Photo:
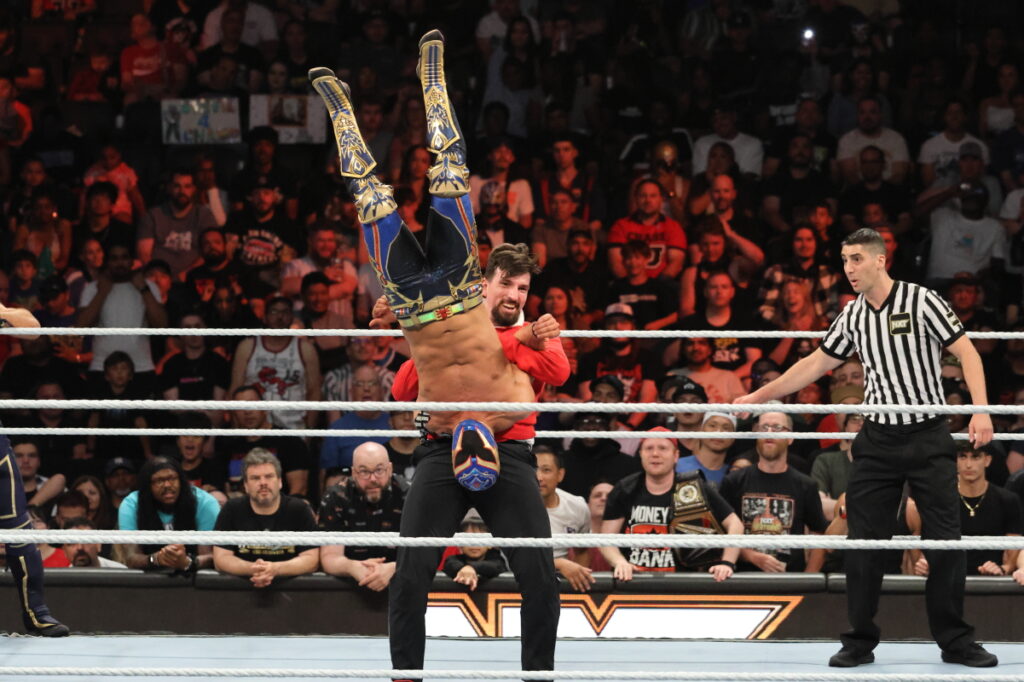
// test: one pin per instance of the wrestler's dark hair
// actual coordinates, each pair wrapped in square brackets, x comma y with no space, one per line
[184,508]
[868,238]
[513,260]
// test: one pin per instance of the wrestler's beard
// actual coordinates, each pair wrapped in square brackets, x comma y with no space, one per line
[504,318]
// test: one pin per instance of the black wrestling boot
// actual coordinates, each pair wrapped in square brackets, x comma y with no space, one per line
[27,567]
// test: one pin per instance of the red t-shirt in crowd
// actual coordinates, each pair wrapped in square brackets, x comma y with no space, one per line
[150,65]
[661,236]
[549,366]
[57,560]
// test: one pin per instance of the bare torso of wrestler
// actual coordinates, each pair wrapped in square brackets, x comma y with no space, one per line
[461,359]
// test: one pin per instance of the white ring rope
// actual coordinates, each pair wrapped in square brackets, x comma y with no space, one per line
[571,333]
[564,540]
[482,406]
[348,673]
[403,433]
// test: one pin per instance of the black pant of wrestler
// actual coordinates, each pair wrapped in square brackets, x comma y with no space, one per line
[23,559]
[512,507]
[884,457]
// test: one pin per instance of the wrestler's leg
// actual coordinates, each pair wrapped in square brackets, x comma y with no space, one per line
[451,227]
[23,559]
[394,252]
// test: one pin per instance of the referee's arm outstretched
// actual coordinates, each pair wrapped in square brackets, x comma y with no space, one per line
[817,363]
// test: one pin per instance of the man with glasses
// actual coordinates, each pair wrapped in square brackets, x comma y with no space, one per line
[370,501]
[772,498]
[339,451]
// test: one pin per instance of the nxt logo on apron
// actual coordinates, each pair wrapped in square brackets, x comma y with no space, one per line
[899,323]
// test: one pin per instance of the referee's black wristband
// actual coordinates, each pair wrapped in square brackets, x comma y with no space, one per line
[723,562]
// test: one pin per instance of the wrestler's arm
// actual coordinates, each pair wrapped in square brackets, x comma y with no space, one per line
[19,317]
[547,363]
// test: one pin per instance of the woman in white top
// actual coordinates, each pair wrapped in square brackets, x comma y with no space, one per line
[995,114]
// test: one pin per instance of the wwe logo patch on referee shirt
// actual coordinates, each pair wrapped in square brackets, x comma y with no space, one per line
[899,323]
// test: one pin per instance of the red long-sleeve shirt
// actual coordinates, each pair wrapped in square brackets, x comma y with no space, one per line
[548,366]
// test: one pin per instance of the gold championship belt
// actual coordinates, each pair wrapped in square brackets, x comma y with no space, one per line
[691,515]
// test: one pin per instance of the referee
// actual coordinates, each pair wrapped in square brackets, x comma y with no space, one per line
[899,330]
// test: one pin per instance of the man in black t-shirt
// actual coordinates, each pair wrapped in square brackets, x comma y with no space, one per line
[772,498]
[985,509]
[196,373]
[263,236]
[210,474]
[796,184]
[370,501]
[872,189]
[655,502]
[582,275]
[264,508]
[654,301]
[623,358]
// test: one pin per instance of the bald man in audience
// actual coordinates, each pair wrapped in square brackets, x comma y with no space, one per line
[370,501]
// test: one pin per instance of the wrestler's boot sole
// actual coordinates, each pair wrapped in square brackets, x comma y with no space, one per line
[448,176]
[374,200]
[475,459]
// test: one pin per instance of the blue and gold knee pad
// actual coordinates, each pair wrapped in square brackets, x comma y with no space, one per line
[475,458]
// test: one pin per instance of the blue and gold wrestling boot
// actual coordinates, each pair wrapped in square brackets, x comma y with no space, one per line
[373,199]
[475,459]
[449,176]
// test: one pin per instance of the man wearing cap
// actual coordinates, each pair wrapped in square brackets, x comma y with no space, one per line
[968,170]
[57,310]
[685,391]
[964,239]
[940,154]
[709,457]
[119,478]
[580,274]
[657,501]
[262,236]
[772,498]
[263,170]
[23,559]
[831,469]
[518,197]
[621,357]
[590,460]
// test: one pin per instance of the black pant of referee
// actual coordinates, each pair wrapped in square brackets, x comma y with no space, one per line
[512,507]
[883,458]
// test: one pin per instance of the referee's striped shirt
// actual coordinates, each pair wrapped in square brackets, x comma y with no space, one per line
[900,345]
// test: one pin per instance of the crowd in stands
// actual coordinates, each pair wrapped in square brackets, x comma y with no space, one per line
[674,165]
